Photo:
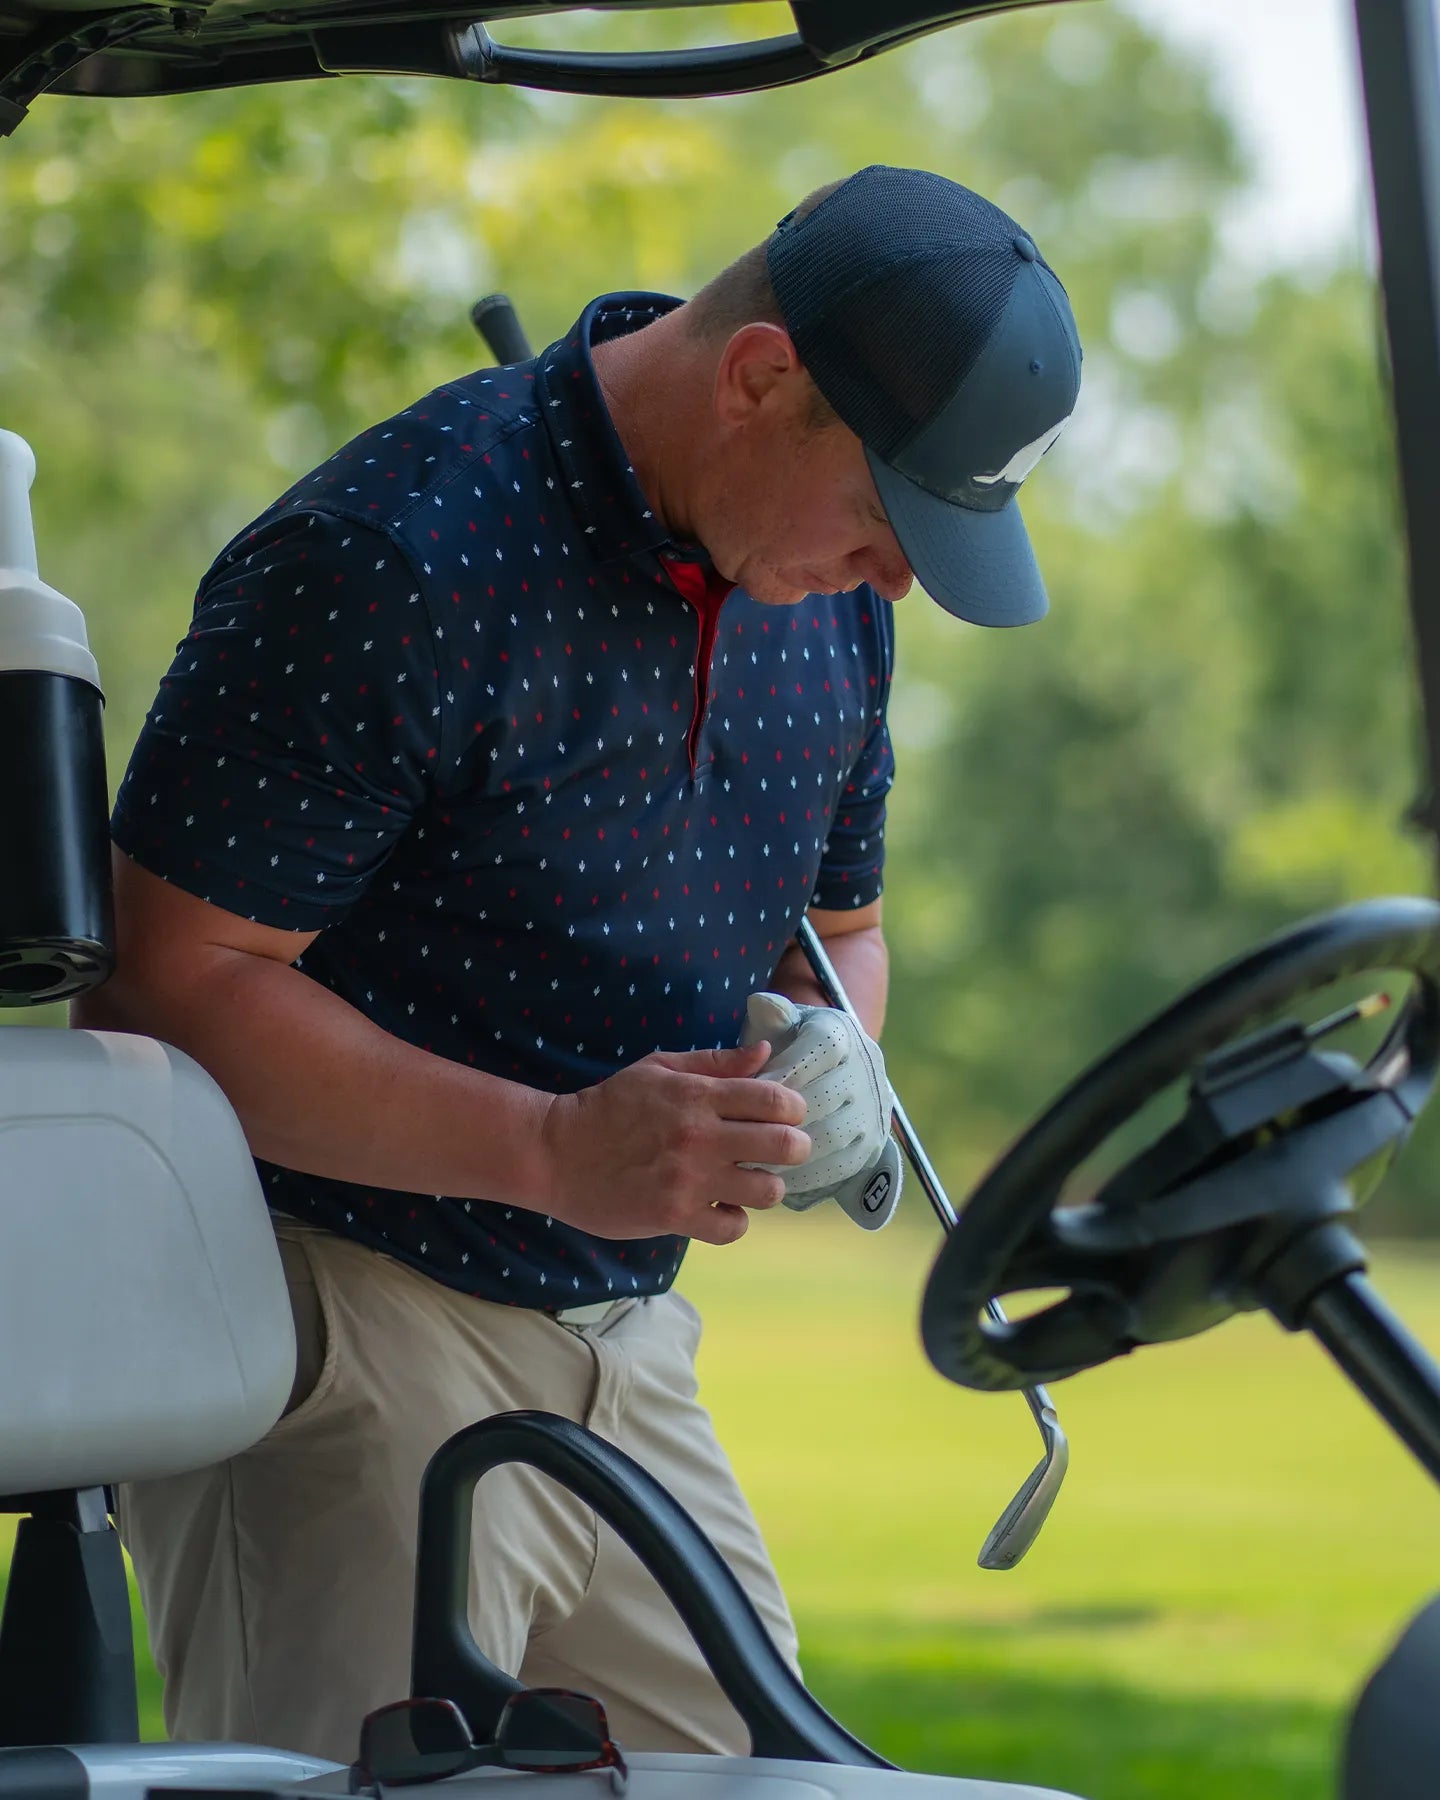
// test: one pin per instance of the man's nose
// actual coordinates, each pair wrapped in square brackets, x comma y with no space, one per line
[887,568]
[893,577]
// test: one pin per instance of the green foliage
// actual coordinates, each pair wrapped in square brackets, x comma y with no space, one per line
[1214,731]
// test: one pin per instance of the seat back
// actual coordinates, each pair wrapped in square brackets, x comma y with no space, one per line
[145,1327]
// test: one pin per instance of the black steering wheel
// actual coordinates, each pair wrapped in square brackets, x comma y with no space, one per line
[1280,1139]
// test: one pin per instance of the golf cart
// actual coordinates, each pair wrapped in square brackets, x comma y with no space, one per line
[186,1357]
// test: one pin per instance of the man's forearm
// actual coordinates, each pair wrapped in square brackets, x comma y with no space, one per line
[318,1087]
[861,961]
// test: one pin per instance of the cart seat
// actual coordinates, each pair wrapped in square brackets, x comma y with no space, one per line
[144,1322]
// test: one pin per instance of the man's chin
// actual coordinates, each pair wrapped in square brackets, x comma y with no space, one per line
[791,593]
[773,594]
[774,587]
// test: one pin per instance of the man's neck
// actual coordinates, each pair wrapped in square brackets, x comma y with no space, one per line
[654,385]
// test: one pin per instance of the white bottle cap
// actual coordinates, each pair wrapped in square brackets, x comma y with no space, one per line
[39,628]
[17,532]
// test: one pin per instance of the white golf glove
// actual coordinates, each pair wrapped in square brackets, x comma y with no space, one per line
[825,1056]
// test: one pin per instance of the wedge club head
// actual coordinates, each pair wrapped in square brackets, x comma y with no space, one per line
[1019,1525]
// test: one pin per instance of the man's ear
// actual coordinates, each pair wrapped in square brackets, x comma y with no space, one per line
[759,370]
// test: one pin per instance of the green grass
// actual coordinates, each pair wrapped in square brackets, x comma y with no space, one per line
[1236,1543]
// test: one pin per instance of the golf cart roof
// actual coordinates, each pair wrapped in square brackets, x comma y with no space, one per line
[161,47]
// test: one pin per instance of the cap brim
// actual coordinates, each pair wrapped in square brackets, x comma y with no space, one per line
[977,565]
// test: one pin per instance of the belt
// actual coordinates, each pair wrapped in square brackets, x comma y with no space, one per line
[588,1315]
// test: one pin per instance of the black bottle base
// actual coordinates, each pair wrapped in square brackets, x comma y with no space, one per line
[57,930]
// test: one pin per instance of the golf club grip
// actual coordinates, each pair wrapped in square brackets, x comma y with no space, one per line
[498,323]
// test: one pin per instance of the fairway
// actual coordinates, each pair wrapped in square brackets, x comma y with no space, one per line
[1235,1544]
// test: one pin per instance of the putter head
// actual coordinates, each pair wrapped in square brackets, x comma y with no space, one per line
[1019,1525]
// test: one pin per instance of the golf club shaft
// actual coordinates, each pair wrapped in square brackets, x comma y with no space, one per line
[499,325]
[823,970]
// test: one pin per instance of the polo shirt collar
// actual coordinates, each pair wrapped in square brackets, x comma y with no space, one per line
[600,484]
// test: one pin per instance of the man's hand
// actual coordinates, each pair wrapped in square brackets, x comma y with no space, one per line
[826,1057]
[671,1144]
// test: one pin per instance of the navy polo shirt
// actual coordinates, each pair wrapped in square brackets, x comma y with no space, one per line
[553,795]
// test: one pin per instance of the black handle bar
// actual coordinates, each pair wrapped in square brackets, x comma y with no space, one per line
[784,1719]
[828,34]
[649,74]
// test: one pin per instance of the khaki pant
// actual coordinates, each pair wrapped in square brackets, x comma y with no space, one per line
[278,1586]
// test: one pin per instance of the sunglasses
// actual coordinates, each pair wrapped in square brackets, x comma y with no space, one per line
[549,1731]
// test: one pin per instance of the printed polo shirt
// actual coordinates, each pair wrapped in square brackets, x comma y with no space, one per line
[553,795]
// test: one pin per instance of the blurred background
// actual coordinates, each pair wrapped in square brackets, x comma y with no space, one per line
[1213,734]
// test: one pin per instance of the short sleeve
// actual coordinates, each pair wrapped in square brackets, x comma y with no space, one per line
[852,865]
[295,736]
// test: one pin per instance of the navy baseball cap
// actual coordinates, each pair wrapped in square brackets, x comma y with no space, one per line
[939,334]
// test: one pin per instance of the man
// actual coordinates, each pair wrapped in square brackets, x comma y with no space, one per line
[503,755]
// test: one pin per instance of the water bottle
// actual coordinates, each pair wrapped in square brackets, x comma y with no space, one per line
[57,926]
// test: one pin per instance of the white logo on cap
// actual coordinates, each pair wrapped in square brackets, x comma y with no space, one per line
[1025,459]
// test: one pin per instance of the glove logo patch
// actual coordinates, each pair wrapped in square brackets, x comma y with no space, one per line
[877,1191]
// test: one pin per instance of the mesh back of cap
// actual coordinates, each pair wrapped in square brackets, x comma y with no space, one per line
[890,289]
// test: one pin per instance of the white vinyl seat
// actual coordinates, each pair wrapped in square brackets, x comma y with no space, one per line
[144,1323]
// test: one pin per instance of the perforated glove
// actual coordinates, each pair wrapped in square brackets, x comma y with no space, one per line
[825,1056]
